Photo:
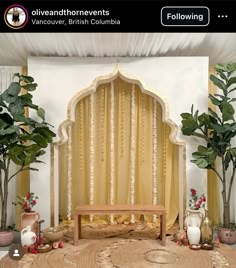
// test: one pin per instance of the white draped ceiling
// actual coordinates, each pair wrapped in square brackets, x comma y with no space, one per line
[15,48]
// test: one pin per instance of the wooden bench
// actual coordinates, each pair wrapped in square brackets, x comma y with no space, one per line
[119,210]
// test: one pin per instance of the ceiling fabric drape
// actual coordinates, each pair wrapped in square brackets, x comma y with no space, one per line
[15,48]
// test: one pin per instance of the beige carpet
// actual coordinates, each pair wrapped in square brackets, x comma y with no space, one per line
[130,248]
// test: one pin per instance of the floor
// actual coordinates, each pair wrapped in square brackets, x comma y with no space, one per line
[126,252]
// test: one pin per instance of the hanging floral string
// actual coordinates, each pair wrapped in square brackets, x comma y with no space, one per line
[91,150]
[69,173]
[122,129]
[154,156]
[112,148]
[102,112]
[164,151]
[143,112]
[81,140]
[132,151]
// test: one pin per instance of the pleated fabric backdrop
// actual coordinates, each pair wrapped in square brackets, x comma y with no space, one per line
[118,152]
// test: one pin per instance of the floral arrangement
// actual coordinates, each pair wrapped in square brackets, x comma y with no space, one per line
[196,201]
[27,202]
[34,249]
[181,237]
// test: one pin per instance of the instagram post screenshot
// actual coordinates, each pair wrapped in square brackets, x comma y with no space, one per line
[117,134]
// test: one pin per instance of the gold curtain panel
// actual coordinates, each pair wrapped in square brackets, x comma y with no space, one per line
[114,111]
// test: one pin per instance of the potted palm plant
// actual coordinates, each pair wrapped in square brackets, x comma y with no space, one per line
[22,138]
[217,129]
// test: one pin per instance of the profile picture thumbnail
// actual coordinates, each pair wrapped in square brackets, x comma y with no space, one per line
[16,16]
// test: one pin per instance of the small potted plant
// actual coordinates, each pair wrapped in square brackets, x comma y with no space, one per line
[7,236]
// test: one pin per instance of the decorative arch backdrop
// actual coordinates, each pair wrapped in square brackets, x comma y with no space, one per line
[118,151]
[182,81]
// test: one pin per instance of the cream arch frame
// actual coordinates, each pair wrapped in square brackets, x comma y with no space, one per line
[63,138]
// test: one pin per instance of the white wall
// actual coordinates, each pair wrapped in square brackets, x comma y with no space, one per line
[180,80]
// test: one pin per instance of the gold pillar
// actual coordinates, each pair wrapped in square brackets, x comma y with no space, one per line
[212,180]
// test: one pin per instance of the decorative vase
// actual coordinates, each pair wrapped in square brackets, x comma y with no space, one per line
[206,229]
[193,214]
[29,219]
[193,232]
[28,237]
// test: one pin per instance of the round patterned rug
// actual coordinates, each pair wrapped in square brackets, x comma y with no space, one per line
[125,253]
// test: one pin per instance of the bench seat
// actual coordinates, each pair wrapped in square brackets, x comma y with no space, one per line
[119,210]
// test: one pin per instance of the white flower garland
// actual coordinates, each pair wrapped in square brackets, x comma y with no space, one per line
[154,156]
[81,138]
[142,130]
[69,174]
[102,123]
[164,154]
[164,151]
[132,151]
[112,149]
[91,151]
[122,120]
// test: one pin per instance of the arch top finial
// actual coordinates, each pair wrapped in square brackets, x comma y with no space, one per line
[117,68]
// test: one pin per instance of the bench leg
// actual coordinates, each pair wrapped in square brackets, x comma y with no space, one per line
[161,220]
[76,229]
[79,227]
[163,229]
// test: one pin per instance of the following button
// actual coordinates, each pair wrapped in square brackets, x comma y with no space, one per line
[185,16]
